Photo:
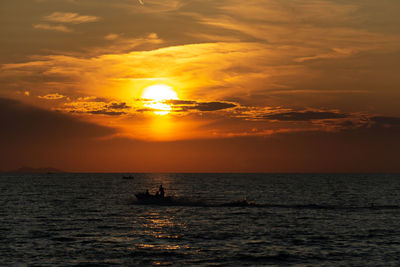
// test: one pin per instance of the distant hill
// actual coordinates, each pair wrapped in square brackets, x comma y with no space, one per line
[36,170]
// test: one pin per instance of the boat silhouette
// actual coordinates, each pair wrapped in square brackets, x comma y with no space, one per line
[240,203]
[146,198]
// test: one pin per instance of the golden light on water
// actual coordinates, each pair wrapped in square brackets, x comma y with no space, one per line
[155,96]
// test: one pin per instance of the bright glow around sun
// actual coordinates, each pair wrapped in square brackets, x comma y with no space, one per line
[159,92]
[156,94]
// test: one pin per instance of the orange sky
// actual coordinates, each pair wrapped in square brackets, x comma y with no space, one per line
[258,85]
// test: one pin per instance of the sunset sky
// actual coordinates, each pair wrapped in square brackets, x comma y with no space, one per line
[200,85]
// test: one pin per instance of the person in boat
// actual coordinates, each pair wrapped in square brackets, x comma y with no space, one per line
[161,191]
[147,192]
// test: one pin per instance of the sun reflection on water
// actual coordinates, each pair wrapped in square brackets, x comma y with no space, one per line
[160,232]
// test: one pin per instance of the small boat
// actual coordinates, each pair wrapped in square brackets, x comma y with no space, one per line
[146,198]
[128,177]
[240,203]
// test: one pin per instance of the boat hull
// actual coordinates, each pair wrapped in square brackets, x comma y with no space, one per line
[144,198]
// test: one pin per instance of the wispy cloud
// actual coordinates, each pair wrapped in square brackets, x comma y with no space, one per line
[111,36]
[68,17]
[335,53]
[52,96]
[119,43]
[96,106]
[59,28]
[305,116]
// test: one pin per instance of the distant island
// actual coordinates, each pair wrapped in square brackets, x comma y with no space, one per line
[36,170]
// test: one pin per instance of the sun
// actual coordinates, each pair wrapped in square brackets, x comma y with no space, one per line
[159,92]
[155,95]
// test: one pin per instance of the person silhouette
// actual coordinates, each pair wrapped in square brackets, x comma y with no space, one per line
[161,190]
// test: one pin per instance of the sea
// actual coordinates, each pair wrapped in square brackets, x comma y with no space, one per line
[94,219]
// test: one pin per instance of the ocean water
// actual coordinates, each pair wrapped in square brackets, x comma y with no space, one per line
[300,220]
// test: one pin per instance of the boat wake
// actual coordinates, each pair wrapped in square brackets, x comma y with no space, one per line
[160,200]
[181,201]
[148,199]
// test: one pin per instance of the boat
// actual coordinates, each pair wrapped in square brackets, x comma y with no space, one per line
[128,177]
[240,203]
[146,198]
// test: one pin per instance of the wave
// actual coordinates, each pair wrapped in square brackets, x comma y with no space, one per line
[243,203]
[331,207]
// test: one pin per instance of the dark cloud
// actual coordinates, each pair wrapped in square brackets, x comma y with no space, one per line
[179,102]
[106,112]
[305,116]
[144,110]
[116,105]
[213,106]
[98,99]
[185,105]
[387,121]
[347,124]
[20,121]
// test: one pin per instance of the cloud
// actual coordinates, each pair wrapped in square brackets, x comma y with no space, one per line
[23,122]
[185,105]
[286,114]
[258,67]
[68,17]
[305,116]
[116,105]
[111,36]
[386,121]
[188,105]
[96,106]
[59,28]
[335,53]
[64,17]
[34,136]
[179,102]
[106,112]
[120,43]
[209,106]
[52,96]
[92,99]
